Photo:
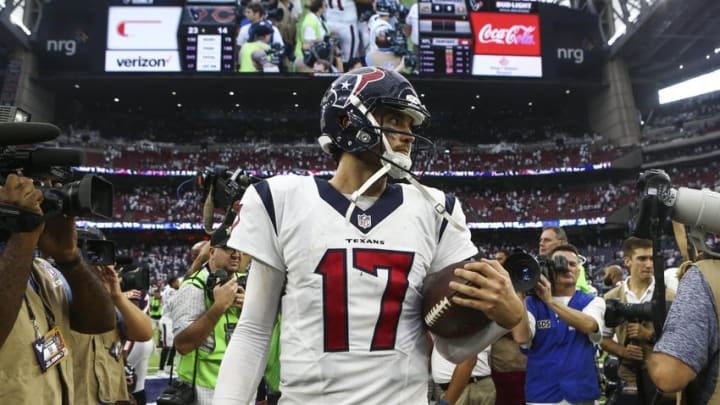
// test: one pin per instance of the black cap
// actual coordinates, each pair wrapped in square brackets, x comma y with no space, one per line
[259,29]
[220,237]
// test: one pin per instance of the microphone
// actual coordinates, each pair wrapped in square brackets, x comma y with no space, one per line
[21,133]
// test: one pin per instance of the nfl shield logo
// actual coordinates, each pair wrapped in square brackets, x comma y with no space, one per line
[364,221]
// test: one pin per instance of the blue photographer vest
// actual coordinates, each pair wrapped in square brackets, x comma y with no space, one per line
[561,360]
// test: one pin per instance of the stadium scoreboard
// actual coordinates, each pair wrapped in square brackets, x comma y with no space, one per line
[456,38]
[207,38]
[469,37]
[169,36]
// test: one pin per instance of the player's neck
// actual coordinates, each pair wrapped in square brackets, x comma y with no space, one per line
[352,173]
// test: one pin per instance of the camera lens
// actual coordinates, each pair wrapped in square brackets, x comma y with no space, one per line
[524,271]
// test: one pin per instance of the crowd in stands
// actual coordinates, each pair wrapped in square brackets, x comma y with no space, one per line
[677,113]
[167,258]
[159,204]
[275,157]
[683,120]
[689,150]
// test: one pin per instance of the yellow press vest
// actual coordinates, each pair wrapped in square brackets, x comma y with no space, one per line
[23,381]
[625,372]
[208,364]
[102,375]
[155,311]
[314,21]
[246,52]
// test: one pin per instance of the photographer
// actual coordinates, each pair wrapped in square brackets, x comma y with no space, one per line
[254,54]
[205,311]
[558,332]
[312,29]
[634,336]
[97,359]
[686,355]
[42,302]
[255,12]
[387,54]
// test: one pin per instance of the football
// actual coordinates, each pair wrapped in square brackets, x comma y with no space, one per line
[442,316]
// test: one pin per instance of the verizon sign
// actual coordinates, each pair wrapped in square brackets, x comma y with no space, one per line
[142,61]
[506,34]
[143,28]
[143,39]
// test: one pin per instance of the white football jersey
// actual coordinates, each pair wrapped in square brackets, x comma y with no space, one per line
[352,330]
[341,11]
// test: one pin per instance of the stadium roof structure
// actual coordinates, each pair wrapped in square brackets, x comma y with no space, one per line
[667,41]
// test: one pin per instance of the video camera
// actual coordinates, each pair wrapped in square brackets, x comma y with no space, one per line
[89,197]
[325,50]
[221,188]
[95,249]
[272,11]
[222,185]
[275,53]
[132,276]
[525,270]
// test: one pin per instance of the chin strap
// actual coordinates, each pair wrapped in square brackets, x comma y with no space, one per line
[397,166]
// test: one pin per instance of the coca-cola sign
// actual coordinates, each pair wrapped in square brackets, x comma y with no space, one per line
[517,34]
[506,34]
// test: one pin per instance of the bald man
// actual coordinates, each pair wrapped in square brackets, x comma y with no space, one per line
[199,253]
[613,275]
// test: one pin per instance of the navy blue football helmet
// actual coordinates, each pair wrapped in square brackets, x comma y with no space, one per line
[386,7]
[355,95]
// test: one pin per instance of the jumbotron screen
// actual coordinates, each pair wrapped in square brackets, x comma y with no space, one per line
[480,38]
[435,38]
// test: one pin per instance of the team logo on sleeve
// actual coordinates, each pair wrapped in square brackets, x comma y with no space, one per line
[364,221]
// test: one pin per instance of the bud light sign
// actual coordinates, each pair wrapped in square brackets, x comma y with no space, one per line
[506,34]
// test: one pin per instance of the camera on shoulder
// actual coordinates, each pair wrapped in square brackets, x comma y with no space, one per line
[91,196]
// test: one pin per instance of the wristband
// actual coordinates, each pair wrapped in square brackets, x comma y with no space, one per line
[69,265]
[443,402]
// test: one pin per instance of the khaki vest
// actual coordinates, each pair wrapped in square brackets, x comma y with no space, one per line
[710,270]
[505,355]
[100,377]
[23,381]
[627,368]
[385,59]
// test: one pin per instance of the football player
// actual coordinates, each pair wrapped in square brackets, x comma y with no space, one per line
[344,262]
[342,19]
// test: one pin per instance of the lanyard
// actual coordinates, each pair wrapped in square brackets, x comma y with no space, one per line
[48,313]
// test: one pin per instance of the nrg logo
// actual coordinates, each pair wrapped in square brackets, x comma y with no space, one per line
[576,55]
[66,46]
